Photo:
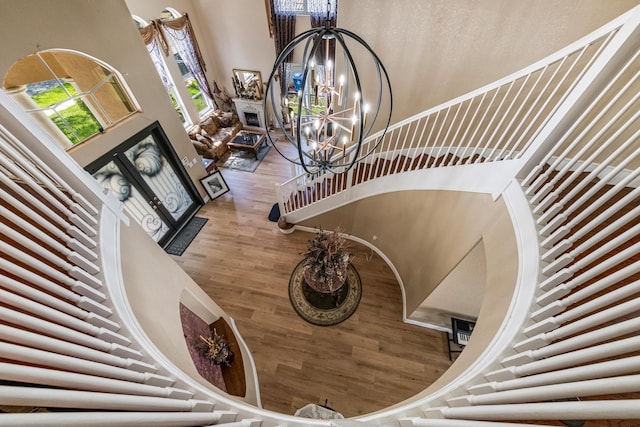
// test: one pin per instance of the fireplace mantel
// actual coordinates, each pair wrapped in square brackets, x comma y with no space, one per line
[250,113]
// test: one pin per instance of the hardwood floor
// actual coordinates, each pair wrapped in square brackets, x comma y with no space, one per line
[364,364]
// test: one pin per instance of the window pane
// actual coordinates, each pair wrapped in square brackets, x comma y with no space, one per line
[112,100]
[177,107]
[76,121]
[200,103]
[70,115]
[49,93]
[85,73]
[197,97]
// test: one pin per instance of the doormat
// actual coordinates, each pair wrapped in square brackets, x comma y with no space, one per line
[184,238]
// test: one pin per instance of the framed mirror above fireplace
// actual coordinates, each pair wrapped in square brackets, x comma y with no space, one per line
[248,84]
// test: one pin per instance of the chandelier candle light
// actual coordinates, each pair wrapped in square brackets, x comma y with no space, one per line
[329,123]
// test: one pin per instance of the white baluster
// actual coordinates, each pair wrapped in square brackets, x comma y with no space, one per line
[581,325]
[79,286]
[57,398]
[490,125]
[83,274]
[41,184]
[602,218]
[609,298]
[42,165]
[116,419]
[446,142]
[611,368]
[600,147]
[581,120]
[82,257]
[48,220]
[73,218]
[574,343]
[513,115]
[465,152]
[597,387]
[61,318]
[592,178]
[601,250]
[591,208]
[83,301]
[32,293]
[439,141]
[565,273]
[57,378]
[517,366]
[139,373]
[424,422]
[55,345]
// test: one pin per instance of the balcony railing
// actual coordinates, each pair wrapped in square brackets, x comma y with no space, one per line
[70,343]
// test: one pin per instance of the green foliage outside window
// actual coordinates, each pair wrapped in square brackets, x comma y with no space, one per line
[175,104]
[77,115]
[196,95]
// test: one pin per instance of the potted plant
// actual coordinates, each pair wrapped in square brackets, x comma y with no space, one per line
[217,349]
[326,261]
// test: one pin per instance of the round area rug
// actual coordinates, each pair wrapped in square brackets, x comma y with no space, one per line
[322,309]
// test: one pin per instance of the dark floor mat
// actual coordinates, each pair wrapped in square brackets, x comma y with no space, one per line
[184,238]
[274,215]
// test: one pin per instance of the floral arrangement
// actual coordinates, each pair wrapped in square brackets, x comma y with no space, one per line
[326,261]
[217,349]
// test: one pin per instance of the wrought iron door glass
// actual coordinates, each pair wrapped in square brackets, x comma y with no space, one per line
[112,178]
[160,176]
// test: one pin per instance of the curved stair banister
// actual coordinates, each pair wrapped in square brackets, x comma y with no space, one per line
[575,358]
[72,348]
[68,341]
[504,123]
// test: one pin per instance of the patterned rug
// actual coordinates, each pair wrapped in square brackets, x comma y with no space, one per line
[192,327]
[243,160]
[322,309]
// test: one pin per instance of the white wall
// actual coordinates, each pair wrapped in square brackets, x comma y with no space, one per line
[433,50]
[438,49]
[460,293]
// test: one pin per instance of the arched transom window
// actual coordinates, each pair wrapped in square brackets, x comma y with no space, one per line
[70,94]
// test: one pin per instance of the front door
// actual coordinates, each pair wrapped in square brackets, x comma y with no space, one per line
[146,175]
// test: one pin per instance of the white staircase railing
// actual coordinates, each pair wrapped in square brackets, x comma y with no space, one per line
[496,123]
[69,342]
[576,356]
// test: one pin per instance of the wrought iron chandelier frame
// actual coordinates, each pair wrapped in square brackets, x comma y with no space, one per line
[324,151]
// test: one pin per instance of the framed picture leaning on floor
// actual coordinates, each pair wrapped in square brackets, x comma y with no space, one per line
[214,185]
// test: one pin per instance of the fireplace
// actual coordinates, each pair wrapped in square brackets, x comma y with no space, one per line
[251,119]
[250,113]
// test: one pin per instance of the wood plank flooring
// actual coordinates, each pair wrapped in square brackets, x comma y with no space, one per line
[241,259]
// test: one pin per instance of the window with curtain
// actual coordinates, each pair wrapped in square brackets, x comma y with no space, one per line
[283,19]
[184,47]
[319,12]
[306,7]
[156,46]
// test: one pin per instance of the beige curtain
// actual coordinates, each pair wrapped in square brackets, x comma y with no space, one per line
[157,47]
[180,34]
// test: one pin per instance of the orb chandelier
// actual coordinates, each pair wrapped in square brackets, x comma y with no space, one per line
[329,108]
